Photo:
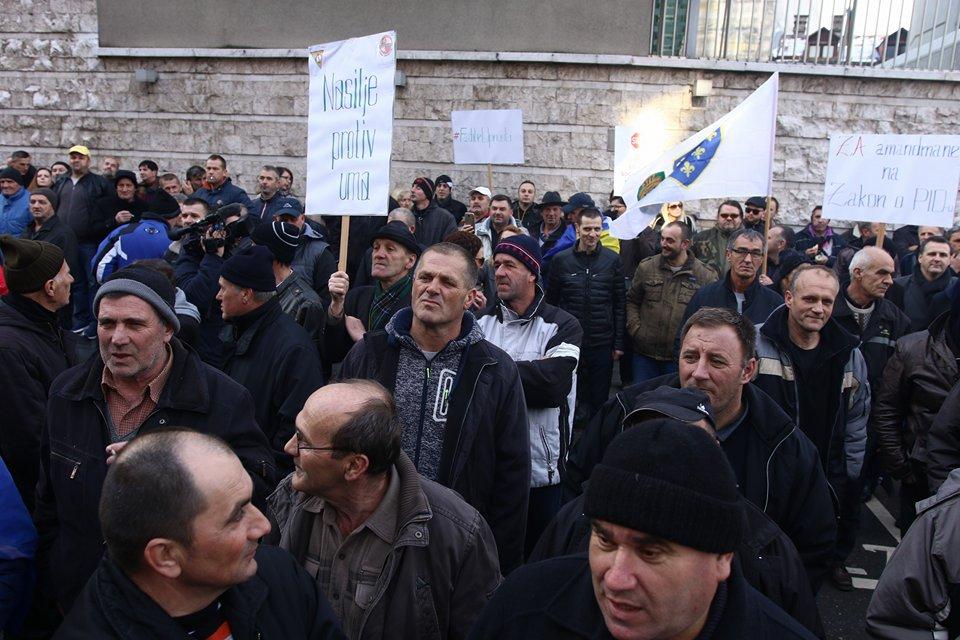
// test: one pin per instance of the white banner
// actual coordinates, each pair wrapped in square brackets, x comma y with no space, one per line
[487,136]
[901,179]
[350,125]
[733,157]
[629,154]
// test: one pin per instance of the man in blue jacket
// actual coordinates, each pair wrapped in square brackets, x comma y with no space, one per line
[221,190]
[144,239]
[14,203]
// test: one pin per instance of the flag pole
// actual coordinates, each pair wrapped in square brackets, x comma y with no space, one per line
[344,242]
[767,216]
[773,137]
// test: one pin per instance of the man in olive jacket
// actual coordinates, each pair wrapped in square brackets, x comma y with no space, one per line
[400,556]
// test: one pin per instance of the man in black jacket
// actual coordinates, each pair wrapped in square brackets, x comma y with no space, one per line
[777,466]
[33,351]
[768,558]
[433,223]
[459,397]
[183,560]
[665,526]
[586,280]
[143,379]
[444,198]
[46,226]
[924,291]
[266,350]
[740,288]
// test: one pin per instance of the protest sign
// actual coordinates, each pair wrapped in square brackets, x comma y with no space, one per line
[488,136]
[629,154]
[902,179]
[350,125]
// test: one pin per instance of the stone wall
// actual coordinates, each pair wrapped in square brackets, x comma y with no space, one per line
[57,92]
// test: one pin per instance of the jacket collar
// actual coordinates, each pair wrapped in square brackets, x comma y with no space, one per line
[575,607]
[186,387]
[684,268]
[505,314]
[266,315]
[751,291]
[834,339]
[49,224]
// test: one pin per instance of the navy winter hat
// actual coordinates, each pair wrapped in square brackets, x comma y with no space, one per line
[578,201]
[9,173]
[149,285]
[289,207]
[523,248]
[669,479]
[281,238]
[251,268]
[444,179]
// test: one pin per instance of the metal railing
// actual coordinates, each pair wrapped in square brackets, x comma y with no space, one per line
[895,34]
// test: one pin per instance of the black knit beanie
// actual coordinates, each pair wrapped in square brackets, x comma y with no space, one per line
[281,238]
[669,479]
[251,268]
[12,174]
[28,264]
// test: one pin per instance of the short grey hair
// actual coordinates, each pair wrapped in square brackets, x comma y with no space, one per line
[404,215]
[261,297]
[749,234]
[865,257]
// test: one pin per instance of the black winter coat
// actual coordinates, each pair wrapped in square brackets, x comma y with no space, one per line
[486,449]
[82,220]
[433,224]
[943,441]
[198,276]
[280,601]
[591,288]
[33,352]
[273,357]
[554,600]
[782,477]
[56,232]
[455,207]
[103,217]
[923,301]
[74,464]
[768,558]
[879,338]
[759,301]
[336,339]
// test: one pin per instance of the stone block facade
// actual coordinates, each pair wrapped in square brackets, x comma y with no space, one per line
[58,92]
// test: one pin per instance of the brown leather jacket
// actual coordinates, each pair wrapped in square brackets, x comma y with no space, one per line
[656,302]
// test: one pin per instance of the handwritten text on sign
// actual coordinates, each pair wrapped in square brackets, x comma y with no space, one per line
[350,125]
[901,179]
[487,136]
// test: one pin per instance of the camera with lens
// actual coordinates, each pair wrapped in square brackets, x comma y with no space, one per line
[231,219]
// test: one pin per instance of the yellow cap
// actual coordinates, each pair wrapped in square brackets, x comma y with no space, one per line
[79,148]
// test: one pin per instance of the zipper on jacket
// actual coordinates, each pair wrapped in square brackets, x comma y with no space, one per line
[546,449]
[76,465]
[473,391]
[423,410]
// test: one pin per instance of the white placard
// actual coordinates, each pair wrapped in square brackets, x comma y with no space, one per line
[350,125]
[901,179]
[490,136]
[630,154]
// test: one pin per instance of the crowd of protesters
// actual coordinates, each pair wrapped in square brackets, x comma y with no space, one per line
[212,430]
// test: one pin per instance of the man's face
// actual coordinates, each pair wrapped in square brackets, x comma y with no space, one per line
[79,162]
[811,304]
[439,291]
[190,214]
[147,175]
[617,208]
[227,532]
[125,189]
[390,260]
[877,277]
[711,359]
[648,587]
[8,187]
[745,258]
[774,241]
[171,186]
[512,278]
[417,195]
[479,204]
[109,166]
[231,300]
[297,221]
[866,233]
[500,214]
[526,193]
[269,183]
[443,190]
[551,215]
[22,165]
[316,471]
[728,217]
[57,170]
[752,215]
[928,232]
[196,182]
[934,259]
[216,172]
[818,222]
[286,181]
[954,241]
[589,232]
[671,245]
[40,208]
[61,286]
[133,339]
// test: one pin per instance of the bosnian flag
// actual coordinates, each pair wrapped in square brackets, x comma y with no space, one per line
[732,157]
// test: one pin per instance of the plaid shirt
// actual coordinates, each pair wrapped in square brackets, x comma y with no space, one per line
[127,412]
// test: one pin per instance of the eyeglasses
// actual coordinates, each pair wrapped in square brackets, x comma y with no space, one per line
[303,447]
[743,253]
[729,216]
[674,206]
[752,210]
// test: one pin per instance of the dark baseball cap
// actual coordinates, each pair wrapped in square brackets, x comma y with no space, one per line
[686,405]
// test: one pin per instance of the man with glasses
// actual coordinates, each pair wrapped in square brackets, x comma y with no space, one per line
[754,213]
[710,246]
[740,288]
[393,550]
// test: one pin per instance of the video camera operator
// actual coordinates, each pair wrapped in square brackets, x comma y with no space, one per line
[205,245]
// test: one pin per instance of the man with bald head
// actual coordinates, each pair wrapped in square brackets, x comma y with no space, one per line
[183,558]
[356,499]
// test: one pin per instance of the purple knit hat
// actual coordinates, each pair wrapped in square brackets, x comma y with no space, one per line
[523,248]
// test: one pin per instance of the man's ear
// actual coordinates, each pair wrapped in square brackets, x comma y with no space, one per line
[165,557]
[749,371]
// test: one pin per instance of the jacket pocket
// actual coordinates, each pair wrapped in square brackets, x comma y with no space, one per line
[428,626]
[66,477]
[687,289]
[653,290]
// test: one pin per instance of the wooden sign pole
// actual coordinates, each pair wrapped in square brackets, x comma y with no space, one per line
[344,241]
[767,215]
[881,233]
[490,178]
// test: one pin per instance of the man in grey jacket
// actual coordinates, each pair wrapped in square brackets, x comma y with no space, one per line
[399,556]
[917,597]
